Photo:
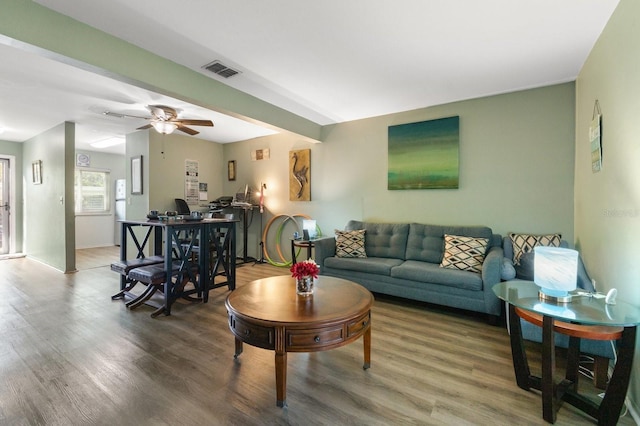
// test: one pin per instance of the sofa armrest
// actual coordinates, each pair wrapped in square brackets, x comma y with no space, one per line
[324,247]
[491,267]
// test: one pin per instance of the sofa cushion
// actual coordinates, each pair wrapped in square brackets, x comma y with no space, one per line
[464,253]
[383,239]
[373,265]
[426,272]
[426,242]
[524,243]
[350,243]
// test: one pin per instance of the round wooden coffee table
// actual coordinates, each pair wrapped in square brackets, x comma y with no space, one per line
[268,314]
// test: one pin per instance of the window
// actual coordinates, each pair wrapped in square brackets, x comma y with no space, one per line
[92,195]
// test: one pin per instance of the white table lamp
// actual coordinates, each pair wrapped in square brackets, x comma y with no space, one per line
[555,271]
[309,226]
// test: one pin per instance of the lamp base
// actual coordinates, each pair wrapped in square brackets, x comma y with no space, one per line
[554,299]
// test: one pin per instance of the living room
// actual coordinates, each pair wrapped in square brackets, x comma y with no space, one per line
[525,166]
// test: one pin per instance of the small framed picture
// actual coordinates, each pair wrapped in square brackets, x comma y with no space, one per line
[231,170]
[136,175]
[36,172]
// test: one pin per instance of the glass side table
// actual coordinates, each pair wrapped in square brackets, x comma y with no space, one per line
[300,243]
[584,317]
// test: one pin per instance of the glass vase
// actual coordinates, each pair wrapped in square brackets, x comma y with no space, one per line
[304,285]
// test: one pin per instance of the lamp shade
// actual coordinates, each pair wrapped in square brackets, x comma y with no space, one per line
[164,127]
[309,226]
[555,270]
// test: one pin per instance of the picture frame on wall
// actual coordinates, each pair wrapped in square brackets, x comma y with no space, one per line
[231,170]
[136,175]
[36,172]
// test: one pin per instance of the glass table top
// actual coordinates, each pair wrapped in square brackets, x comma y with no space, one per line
[583,308]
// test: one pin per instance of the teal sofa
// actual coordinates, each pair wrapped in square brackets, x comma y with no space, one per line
[403,260]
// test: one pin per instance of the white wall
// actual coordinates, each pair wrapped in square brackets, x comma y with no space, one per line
[607,207]
[99,230]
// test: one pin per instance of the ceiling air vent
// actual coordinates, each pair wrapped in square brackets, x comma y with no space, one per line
[221,69]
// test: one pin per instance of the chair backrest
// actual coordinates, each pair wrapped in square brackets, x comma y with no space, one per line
[182,207]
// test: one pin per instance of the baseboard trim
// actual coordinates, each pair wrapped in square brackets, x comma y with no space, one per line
[12,256]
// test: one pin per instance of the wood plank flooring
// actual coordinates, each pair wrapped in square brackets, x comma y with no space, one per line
[69,355]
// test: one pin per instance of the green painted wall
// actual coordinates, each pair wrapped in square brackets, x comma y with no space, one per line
[49,220]
[516,168]
[607,207]
[167,154]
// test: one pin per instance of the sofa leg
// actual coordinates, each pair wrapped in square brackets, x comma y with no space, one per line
[600,371]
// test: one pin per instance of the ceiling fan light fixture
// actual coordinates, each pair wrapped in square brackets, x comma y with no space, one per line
[164,127]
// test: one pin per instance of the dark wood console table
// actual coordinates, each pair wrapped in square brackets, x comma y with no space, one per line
[211,236]
[269,314]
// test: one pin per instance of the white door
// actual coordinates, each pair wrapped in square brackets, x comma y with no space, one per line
[5,206]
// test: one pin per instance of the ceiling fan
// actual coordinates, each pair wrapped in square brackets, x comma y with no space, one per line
[165,120]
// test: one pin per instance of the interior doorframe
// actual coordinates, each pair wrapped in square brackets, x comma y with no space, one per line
[12,201]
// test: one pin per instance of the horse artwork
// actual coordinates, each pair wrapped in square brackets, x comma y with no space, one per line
[300,175]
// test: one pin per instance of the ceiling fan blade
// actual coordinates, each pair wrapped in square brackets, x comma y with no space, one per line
[187,130]
[146,126]
[188,122]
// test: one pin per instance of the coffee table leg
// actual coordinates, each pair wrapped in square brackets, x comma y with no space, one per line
[281,378]
[366,340]
[238,348]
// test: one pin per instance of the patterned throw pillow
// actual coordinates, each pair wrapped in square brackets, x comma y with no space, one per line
[350,243]
[524,243]
[464,253]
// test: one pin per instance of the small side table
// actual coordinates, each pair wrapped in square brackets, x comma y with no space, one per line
[308,244]
[584,317]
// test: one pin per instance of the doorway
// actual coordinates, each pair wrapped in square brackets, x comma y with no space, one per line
[5,206]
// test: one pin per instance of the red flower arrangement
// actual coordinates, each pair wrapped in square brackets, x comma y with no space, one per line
[305,269]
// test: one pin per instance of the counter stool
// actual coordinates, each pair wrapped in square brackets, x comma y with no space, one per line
[154,276]
[123,267]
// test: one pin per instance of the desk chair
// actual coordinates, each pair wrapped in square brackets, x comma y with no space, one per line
[182,207]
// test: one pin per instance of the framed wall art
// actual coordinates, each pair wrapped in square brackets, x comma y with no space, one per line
[36,172]
[595,138]
[300,175]
[231,170]
[136,175]
[424,155]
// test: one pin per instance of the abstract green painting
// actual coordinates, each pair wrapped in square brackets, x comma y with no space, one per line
[424,155]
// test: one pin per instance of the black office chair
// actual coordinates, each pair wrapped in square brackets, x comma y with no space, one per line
[182,207]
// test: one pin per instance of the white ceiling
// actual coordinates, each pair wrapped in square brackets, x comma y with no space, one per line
[329,61]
